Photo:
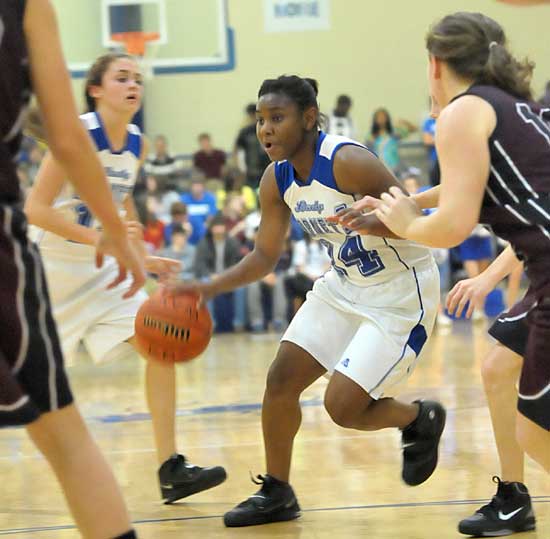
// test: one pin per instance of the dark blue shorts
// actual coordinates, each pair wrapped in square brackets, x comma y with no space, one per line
[476,248]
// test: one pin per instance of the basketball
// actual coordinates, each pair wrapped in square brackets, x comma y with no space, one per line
[172,328]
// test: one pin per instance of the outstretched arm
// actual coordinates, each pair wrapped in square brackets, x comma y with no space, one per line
[462,146]
[267,248]
[475,290]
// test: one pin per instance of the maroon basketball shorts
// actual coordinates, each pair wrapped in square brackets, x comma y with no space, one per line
[525,329]
[32,376]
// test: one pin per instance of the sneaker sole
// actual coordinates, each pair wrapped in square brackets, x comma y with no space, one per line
[282,515]
[526,527]
[174,494]
[416,482]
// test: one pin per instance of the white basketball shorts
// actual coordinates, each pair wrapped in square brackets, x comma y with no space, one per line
[86,312]
[372,334]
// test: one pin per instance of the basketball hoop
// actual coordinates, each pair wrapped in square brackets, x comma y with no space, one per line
[138,44]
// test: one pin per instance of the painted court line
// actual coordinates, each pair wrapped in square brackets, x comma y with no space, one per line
[535,499]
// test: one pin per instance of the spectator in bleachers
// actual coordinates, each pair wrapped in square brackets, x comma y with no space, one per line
[384,137]
[266,299]
[201,207]
[208,159]
[340,122]
[215,253]
[164,197]
[153,231]
[181,250]
[234,213]
[234,183]
[152,189]
[178,218]
[255,160]
[310,261]
[162,157]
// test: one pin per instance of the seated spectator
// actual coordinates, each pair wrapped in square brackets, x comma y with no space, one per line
[178,218]
[254,159]
[161,157]
[267,304]
[234,213]
[310,261]
[201,207]
[152,186]
[215,253]
[384,139]
[339,122]
[180,250]
[233,183]
[164,197]
[153,232]
[208,159]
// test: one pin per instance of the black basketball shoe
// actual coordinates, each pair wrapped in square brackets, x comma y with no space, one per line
[510,511]
[179,479]
[274,502]
[421,442]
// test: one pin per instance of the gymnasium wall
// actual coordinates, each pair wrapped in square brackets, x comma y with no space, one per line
[374,51]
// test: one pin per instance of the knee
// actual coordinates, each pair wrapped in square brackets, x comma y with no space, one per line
[500,368]
[281,382]
[341,411]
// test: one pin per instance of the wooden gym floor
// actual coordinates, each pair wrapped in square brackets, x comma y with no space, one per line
[348,482]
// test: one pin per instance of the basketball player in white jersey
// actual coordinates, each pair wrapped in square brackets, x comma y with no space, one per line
[85,312]
[366,320]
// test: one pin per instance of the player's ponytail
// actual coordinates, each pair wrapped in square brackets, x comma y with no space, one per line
[474,47]
[302,91]
[95,75]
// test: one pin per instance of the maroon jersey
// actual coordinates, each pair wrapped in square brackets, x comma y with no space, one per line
[15,91]
[517,197]
[517,206]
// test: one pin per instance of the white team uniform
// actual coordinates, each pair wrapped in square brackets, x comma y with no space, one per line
[370,315]
[84,310]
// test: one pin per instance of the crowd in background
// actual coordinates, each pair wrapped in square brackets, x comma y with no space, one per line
[202,209]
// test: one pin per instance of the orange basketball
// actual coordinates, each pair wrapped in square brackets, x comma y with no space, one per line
[172,328]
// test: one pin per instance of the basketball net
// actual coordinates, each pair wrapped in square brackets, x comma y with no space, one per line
[143,45]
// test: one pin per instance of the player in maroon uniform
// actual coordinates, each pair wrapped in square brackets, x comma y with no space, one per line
[494,148]
[34,389]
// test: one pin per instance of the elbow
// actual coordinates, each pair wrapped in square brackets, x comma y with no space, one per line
[458,235]
[30,211]
[63,150]
[65,145]
[265,260]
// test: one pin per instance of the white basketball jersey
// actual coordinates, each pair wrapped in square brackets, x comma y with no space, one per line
[361,260]
[121,170]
